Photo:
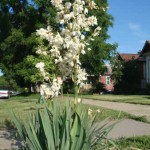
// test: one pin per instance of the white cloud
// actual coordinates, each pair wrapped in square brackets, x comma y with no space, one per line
[137,30]
[134,27]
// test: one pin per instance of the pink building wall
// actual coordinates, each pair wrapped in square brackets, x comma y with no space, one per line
[103,80]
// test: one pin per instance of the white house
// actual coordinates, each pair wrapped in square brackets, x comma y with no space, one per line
[145,56]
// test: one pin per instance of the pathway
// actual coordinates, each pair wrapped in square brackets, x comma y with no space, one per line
[129,128]
[134,109]
[126,127]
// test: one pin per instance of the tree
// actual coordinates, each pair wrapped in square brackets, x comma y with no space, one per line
[3,82]
[117,66]
[130,78]
[101,51]
[18,23]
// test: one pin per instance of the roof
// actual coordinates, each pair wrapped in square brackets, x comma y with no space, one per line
[146,47]
[127,57]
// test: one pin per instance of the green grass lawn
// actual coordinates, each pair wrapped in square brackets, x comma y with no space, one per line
[25,104]
[134,99]
[132,143]
[19,104]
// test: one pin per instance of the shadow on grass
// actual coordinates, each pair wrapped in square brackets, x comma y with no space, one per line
[29,108]
[147,97]
[27,101]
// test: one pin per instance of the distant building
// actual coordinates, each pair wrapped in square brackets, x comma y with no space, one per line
[128,57]
[106,79]
[145,59]
[140,63]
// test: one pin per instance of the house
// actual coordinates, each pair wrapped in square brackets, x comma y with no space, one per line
[143,65]
[140,66]
[129,78]
[128,57]
[145,59]
[106,79]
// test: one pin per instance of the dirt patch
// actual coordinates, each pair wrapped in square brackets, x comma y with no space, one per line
[8,140]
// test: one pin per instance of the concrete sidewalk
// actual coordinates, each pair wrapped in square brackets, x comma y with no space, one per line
[134,109]
[129,128]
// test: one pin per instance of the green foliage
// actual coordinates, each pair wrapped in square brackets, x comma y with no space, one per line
[18,23]
[98,87]
[117,66]
[129,81]
[3,82]
[67,129]
[68,86]
[94,60]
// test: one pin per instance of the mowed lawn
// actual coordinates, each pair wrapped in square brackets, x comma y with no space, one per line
[133,99]
[23,105]
[26,104]
[19,104]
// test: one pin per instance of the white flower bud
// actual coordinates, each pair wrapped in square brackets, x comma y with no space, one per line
[79,100]
[85,11]
[82,37]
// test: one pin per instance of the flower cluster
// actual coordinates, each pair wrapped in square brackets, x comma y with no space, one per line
[45,74]
[49,90]
[67,45]
[40,51]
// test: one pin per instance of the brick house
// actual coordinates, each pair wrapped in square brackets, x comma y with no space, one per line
[106,79]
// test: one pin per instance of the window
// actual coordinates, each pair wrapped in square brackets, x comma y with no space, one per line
[107,79]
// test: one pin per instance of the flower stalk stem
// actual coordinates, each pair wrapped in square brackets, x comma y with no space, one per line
[76,87]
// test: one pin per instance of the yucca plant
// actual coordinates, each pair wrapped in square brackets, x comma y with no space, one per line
[54,129]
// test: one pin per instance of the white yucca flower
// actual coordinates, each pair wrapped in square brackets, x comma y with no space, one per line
[67,45]
[40,65]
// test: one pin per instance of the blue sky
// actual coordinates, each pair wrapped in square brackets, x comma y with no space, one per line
[131,24]
[0,73]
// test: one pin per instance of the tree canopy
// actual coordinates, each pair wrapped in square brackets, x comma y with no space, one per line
[19,20]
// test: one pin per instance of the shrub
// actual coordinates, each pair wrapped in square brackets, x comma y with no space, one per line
[67,129]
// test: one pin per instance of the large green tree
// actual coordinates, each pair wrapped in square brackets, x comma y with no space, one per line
[19,20]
